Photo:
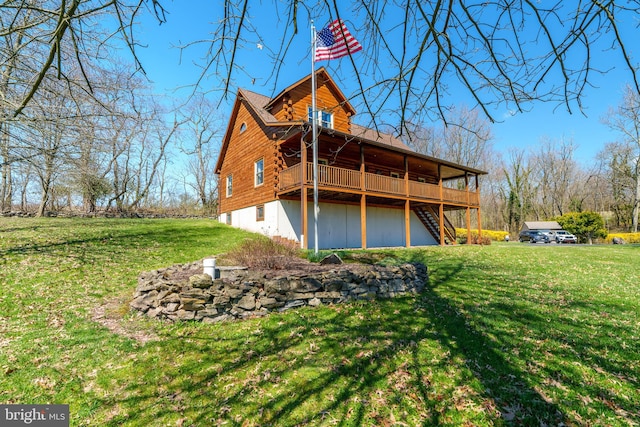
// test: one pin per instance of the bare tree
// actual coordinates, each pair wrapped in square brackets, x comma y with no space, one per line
[10,70]
[497,52]
[53,124]
[152,153]
[517,191]
[625,119]
[617,166]
[53,43]
[507,52]
[467,140]
[201,143]
[52,32]
[556,176]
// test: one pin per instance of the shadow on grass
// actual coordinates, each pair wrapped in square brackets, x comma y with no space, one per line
[431,359]
[124,235]
[415,360]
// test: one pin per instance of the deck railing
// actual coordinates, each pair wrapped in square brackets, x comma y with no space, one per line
[383,184]
[331,176]
[289,177]
[337,177]
[424,190]
[453,195]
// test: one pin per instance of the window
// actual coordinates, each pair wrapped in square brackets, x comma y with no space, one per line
[325,118]
[395,175]
[421,179]
[243,127]
[260,213]
[229,185]
[229,218]
[259,172]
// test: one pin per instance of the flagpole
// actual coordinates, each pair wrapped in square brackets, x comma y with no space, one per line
[314,133]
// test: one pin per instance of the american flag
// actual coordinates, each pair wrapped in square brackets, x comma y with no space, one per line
[335,41]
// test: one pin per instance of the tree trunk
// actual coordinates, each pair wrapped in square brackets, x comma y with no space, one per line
[6,186]
[44,199]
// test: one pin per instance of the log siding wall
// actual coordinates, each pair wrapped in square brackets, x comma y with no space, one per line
[372,170]
[295,104]
[244,150]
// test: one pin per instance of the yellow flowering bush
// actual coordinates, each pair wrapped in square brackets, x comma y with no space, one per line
[496,236]
[627,237]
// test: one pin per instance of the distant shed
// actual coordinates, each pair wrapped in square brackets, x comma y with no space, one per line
[541,225]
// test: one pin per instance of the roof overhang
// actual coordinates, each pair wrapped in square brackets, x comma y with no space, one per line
[449,170]
[328,81]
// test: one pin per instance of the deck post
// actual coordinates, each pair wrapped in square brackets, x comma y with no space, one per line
[363,221]
[441,223]
[441,206]
[468,225]
[466,188]
[363,202]
[407,223]
[478,193]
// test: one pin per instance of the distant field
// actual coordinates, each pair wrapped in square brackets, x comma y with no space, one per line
[506,334]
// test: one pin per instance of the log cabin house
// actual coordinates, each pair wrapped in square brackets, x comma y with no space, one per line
[374,191]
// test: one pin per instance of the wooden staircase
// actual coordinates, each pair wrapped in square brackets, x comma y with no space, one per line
[431,221]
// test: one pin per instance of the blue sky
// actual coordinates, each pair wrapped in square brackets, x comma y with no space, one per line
[168,68]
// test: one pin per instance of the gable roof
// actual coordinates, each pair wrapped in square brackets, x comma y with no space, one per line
[321,72]
[260,105]
[541,225]
[256,104]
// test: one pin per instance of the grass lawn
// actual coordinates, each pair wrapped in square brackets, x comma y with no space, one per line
[507,334]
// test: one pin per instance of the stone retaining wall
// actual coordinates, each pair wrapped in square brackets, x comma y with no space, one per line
[183,293]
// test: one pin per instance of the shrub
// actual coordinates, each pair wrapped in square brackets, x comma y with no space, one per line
[264,253]
[475,239]
[586,225]
[496,236]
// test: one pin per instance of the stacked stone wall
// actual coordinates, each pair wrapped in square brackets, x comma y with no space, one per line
[176,294]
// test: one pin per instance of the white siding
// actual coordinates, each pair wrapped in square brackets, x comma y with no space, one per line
[420,236]
[338,225]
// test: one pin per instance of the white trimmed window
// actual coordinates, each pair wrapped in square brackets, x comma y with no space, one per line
[229,185]
[325,119]
[258,169]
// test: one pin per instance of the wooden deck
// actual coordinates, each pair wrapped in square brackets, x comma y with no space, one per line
[339,179]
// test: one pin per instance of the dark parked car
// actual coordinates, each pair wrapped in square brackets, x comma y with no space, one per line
[533,236]
[538,237]
[525,236]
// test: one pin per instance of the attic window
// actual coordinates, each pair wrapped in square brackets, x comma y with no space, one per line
[243,127]
[324,118]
